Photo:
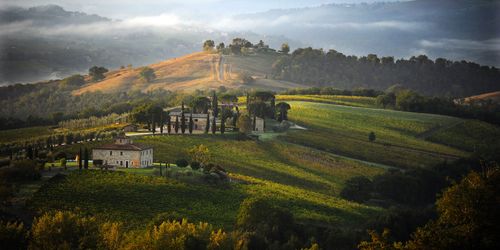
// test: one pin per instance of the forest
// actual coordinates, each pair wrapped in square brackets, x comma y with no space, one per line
[440,77]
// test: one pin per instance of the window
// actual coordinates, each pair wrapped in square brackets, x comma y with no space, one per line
[121,153]
[110,152]
[121,163]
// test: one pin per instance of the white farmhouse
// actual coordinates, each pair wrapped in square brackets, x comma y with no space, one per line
[124,153]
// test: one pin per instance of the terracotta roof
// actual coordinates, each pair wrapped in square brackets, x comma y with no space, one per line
[130,147]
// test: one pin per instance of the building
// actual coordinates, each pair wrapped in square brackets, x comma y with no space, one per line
[124,153]
[130,128]
[260,125]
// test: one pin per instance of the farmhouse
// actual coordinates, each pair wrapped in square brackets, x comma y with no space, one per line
[124,153]
[200,120]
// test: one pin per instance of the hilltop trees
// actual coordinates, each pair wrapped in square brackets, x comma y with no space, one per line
[439,77]
[97,73]
[285,49]
[208,45]
[147,74]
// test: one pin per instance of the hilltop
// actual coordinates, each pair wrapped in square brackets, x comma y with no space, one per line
[201,70]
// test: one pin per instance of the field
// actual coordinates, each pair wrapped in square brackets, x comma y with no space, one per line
[344,130]
[355,101]
[300,170]
[301,179]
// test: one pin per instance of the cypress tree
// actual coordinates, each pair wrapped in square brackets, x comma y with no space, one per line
[80,159]
[161,122]
[214,124]
[254,123]
[223,126]
[191,122]
[86,160]
[183,122]
[273,107]
[176,125]
[153,123]
[208,123]
[215,105]
[169,124]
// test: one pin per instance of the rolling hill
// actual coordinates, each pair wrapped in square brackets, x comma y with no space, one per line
[201,70]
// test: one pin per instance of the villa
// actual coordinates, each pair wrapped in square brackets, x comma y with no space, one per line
[124,153]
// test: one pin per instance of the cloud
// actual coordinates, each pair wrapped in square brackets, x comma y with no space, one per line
[477,45]
[387,24]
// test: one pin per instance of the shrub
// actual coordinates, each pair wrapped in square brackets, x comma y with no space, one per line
[64,230]
[181,163]
[24,170]
[13,235]
[357,189]
[195,165]
[6,192]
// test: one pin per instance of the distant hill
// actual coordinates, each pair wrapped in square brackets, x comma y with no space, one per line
[199,70]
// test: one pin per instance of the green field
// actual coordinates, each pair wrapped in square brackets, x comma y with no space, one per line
[301,170]
[355,101]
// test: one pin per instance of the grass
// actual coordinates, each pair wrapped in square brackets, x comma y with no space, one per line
[344,130]
[355,101]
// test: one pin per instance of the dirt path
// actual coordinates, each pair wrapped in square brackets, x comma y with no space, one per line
[222,61]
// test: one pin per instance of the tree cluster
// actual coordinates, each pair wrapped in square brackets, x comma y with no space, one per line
[438,77]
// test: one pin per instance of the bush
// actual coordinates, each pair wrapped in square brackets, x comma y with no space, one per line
[195,165]
[357,189]
[64,230]
[24,170]
[6,192]
[13,235]
[181,163]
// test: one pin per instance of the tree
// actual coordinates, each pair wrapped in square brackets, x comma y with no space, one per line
[468,215]
[357,189]
[215,105]
[183,120]
[244,124]
[97,73]
[285,48]
[372,137]
[220,47]
[208,45]
[169,124]
[64,230]
[176,125]
[182,163]
[191,123]
[63,163]
[200,154]
[147,74]
[86,158]
[200,104]
[161,122]
[283,107]
[214,124]
[80,160]
[207,126]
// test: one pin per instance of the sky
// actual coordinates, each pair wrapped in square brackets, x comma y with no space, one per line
[193,9]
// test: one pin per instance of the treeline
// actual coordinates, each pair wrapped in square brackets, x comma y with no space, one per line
[407,100]
[439,77]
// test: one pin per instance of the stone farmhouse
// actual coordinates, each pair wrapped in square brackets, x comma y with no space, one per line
[124,153]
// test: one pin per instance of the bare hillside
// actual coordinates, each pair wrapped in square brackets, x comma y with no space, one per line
[200,70]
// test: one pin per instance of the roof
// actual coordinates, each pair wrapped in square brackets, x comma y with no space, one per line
[187,115]
[129,147]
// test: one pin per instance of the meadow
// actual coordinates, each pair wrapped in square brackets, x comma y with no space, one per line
[399,135]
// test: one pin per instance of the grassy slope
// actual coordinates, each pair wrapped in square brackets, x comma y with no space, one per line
[302,179]
[344,130]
